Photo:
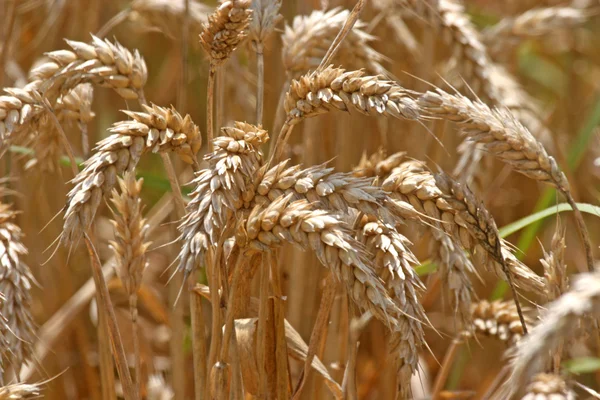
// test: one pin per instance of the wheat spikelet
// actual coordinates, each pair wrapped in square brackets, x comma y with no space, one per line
[221,189]
[265,16]
[19,391]
[334,88]
[226,29]
[498,319]
[394,263]
[268,226]
[378,165]
[17,328]
[533,352]
[168,15]
[102,63]
[418,193]
[322,186]
[306,42]
[548,387]
[499,133]
[156,129]
[555,270]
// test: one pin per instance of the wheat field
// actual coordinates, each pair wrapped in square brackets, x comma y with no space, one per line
[299,199]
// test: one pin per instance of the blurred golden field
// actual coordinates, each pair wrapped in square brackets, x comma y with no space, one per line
[377,271]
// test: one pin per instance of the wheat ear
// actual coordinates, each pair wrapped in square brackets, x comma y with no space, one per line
[221,189]
[307,40]
[156,129]
[497,319]
[17,327]
[168,16]
[533,352]
[506,138]
[129,248]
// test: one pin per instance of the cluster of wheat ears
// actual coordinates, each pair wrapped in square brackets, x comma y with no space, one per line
[247,315]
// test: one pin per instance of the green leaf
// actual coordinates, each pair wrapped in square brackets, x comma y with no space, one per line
[582,365]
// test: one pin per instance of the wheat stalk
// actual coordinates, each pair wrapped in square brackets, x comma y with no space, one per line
[17,327]
[156,129]
[562,317]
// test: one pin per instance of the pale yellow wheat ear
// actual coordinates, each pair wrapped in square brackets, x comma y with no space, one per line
[17,327]
[167,16]
[158,389]
[555,270]
[221,189]
[20,391]
[156,130]
[307,40]
[548,387]
[533,353]
[498,132]
[265,16]
[129,248]
[226,29]
[394,263]
[536,22]
[441,202]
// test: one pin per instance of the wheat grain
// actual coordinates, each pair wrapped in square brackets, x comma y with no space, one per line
[498,319]
[221,189]
[168,15]
[17,110]
[334,88]
[306,42]
[548,387]
[226,29]
[17,327]
[19,391]
[155,130]
[532,353]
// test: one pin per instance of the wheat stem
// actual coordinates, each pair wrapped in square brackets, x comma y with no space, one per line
[198,345]
[260,85]
[442,375]
[133,310]
[113,328]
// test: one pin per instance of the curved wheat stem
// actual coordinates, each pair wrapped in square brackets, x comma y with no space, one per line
[156,129]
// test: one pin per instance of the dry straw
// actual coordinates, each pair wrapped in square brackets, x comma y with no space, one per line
[155,130]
